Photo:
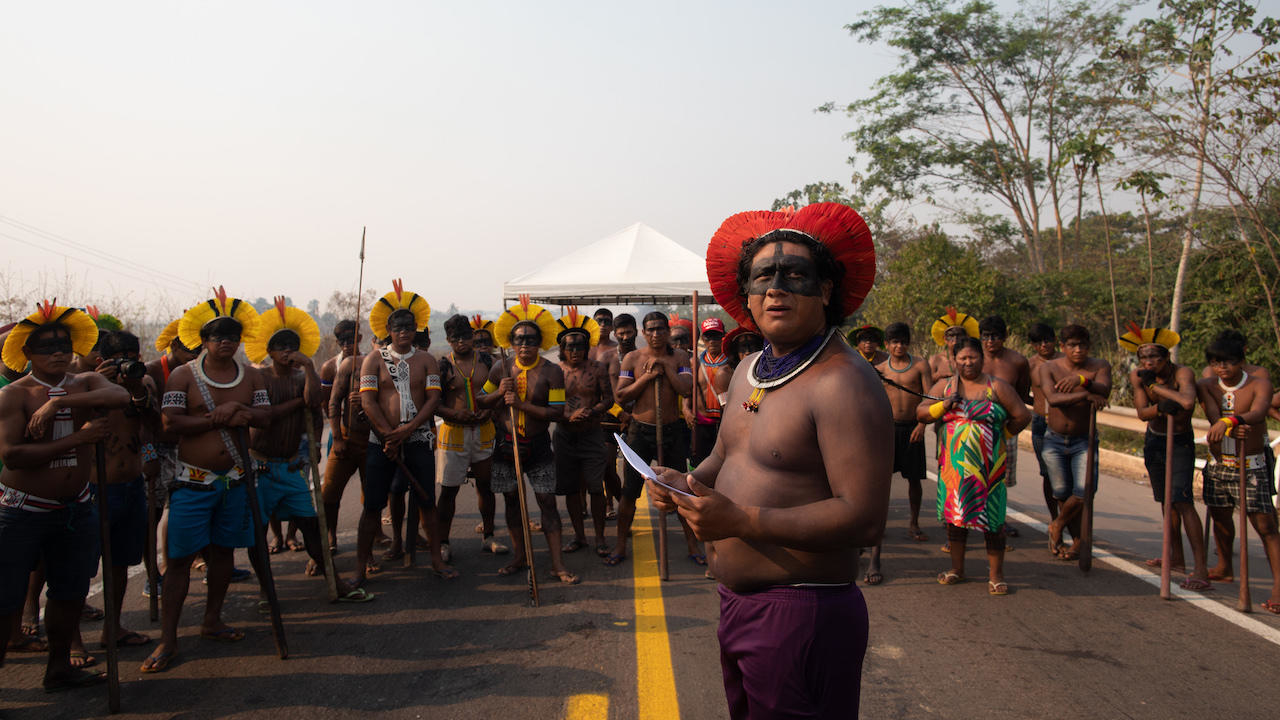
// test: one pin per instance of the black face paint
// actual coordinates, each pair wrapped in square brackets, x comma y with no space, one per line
[402,326]
[50,344]
[525,339]
[575,346]
[789,273]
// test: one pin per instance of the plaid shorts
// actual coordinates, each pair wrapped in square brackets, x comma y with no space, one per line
[1222,486]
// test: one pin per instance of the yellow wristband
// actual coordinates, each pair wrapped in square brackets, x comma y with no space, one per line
[1084,382]
[1229,420]
[936,409]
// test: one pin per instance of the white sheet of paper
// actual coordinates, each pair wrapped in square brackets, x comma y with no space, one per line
[642,467]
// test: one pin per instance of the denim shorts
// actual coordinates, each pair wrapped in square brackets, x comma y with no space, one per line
[64,539]
[1065,458]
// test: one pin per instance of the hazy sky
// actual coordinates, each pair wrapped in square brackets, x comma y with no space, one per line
[247,143]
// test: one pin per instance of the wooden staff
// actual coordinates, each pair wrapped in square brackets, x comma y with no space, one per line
[153,564]
[1086,515]
[1166,555]
[265,579]
[313,452]
[662,514]
[413,486]
[524,503]
[1245,604]
[109,624]
[355,366]
[693,402]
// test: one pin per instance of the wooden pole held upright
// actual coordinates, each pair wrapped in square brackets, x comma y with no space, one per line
[524,502]
[1086,516]
[1245,603]
[317,497]
[1166,555]
[662,514]
[108,581]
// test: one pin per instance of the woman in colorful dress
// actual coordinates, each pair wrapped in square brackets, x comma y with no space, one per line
[979,414]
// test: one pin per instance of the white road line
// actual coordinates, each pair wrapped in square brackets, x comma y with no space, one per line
[1213,607]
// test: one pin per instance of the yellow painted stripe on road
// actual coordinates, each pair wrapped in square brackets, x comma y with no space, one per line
[655,678]
[588,707]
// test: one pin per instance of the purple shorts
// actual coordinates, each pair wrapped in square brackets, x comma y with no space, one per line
[793,652]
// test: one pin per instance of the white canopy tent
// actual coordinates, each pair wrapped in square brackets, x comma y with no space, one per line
[634,266]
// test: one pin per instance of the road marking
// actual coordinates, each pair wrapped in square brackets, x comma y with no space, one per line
[587,707]
[655,678]
[1213,607]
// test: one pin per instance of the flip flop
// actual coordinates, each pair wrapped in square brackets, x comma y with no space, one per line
[356,595]
[391,555]
[997,588]
[158,661]
[566,577]
[275,548]
[1219,577]
[28,644]
[1271,607]
[872,578]
[1010,530]
[296,545]
[72,680]
[89,612]
[446,574]
[602,550]
[614,558]
[508,570]
[698,558]
[1196,584]
[491,545]
[129,639]
[1068,554]
[86,660]
[226,634]
[945,549]
[919,536]
[573,547]
[950,577]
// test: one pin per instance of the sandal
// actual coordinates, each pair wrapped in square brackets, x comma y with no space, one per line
[226,634]
[698,558]
[950,577]
[602,550]
[997,588]
[129,639]
[872,578]
[391,555]
[89,612]
[491,545]
[83,659]
[158,661]
[1196,585]
[295,545]
[919,536]
[28,644]
[614,558]
[574,546]
[274,548]
[356,595]
[1271,607]
[566,577]
[511,569]
[72,680]
[447,573]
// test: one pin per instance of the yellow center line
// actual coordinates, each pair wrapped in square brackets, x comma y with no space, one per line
[655,678]
[587,707]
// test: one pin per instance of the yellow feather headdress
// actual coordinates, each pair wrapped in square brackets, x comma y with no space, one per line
[167,336]
[84,332]
[216,307]
[1139,336]
[479,323]
[283,319]
[574,321]
[526,311]
[398,299]
[952,318]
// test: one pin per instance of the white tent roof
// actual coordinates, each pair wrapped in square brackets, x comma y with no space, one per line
[636,265]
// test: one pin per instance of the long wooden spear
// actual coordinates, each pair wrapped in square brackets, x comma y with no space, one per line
[1245,604]
[1086,516]
[524,503]
[109,604]
[355,366]
[1166,555]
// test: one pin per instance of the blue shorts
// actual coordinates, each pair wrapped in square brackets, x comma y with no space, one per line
[382,475]
[64,539]
[217,516]
[283,493]
[1065,458]
[127,514]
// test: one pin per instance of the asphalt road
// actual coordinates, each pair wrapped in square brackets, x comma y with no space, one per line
[624,645]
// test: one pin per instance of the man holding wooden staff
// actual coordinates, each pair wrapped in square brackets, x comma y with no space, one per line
[799,477]
[657,362]
[289,336]
[534,389]
[206,402]
[1162,390]
[46,446]
[1236,403]
[1075,387]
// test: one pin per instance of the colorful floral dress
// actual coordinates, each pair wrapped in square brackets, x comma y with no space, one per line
[971,489]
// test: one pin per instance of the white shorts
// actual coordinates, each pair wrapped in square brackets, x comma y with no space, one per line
[477,446]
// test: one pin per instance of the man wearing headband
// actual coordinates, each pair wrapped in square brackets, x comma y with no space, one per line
[46,447]
[799,478]
[1074,386]
[208,403]
[1161,389]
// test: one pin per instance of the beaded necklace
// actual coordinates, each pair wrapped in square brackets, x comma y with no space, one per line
[766,372]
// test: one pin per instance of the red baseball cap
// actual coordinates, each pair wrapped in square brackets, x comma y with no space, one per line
[713,324]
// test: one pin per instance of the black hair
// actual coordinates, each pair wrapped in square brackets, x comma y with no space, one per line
[456,325]
[284,339]
[655,315]
[828,267]
[1227,349]
[969,342]
[868,333]
[400,313]
[344,327]
[1075,332]
[47,329]
[564,335]
[1040,332]
[1235,336]
[624,320]
[606,312]
[422,339]
[221,326]
[120,341]
[993,325]
[1162,350]
[525,323]
[898,331]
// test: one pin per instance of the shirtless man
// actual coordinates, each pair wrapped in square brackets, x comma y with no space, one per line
[624,333]
[540,404]
[345,333]
[869,341]
[124,483]
[400,408]
[908,432]
[208,503]
[1235,336]
[467,435]
[349,430]
[657,362]
[1045,343]
[797,482]
[682,335]
[1162,388]
[607,348]
[46,445]
[1236,404]
[580,448]
[708,401]
[1074,386]
[165,443]
[1012,367]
